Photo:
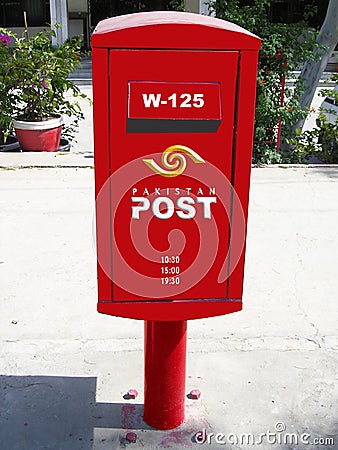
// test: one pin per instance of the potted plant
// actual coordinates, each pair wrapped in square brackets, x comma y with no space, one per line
[35,82]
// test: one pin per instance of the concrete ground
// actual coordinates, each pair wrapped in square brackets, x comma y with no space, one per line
[268,374]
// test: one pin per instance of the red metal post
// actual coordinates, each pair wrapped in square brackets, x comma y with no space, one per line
[164,381]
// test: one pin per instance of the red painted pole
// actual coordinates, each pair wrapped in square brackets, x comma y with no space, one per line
[164,380]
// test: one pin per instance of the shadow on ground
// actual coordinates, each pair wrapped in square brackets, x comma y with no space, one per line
[330,172]
[51,412]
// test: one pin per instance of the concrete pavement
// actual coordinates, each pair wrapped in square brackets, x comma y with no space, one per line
[64,368]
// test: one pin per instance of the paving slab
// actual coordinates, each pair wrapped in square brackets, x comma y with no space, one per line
[268,373]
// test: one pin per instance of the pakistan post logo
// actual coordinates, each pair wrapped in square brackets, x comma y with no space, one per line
[197,203]
[174,161]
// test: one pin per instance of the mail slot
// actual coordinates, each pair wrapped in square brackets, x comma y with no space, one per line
[169,107]
[174,97]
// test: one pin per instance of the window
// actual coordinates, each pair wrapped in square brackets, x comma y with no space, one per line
[11,12]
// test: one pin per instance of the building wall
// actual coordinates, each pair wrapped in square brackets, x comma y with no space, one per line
[78,6]
[192,6]
[19,31]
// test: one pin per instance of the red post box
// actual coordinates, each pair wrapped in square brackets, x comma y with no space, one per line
[174,97]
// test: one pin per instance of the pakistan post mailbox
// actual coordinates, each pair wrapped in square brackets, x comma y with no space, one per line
[174,97]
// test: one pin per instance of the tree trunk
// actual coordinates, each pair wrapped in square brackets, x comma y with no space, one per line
[313,70]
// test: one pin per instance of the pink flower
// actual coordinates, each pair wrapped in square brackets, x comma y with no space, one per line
[44,84]
[4,39]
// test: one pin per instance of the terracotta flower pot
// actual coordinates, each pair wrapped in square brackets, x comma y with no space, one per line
[39,136]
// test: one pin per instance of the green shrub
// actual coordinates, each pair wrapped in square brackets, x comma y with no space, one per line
[285,48]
